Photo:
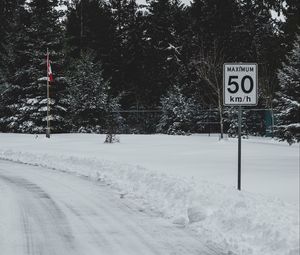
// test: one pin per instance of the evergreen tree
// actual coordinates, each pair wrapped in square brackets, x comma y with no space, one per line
[163,48]
[126,47]
[288,101]
[135,54]
[291,26]
[2,41]
[89,26]
[145,51]
[260,36]
[179,113]
[25,99]
[232,118]
[93,109]
[12,17]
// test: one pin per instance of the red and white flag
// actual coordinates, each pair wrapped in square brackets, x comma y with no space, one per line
[49,70]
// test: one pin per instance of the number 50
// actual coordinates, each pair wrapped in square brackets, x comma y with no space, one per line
[235,86]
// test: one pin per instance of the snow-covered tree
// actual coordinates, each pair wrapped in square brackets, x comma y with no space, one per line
[92,108]
[288,102]
[2,41]
[24,100]
[232,118]
[12,17]
[253,122]
[179,113]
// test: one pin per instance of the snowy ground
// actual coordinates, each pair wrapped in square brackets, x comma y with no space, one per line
[188,180]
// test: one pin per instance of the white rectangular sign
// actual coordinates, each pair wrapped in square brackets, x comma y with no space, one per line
[239,84]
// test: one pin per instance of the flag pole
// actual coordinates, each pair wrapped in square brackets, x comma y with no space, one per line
[48,99]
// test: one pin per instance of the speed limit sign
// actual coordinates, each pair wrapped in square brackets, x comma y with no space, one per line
[239,84]
[239,89]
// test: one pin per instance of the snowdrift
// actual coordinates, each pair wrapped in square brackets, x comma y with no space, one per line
[234,222]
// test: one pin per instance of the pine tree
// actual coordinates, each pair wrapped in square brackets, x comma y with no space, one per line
[93,109]
[126,47]
[25,99]
[134,49]
[164,47]
[288,101]
[232,118]
[89,26]
[260,38]
[290,27]
[12,17]
[2,42]
[179,113]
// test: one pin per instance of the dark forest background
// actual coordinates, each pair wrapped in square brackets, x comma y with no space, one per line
[128,68]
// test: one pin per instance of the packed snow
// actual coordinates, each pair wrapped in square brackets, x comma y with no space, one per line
[54,213]
[190,180]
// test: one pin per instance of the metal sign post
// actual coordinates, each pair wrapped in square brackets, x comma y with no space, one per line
[239,150]
[240,89]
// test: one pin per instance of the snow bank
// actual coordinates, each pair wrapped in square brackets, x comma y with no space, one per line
[235,222]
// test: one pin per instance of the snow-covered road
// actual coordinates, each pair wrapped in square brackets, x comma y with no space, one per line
[50,212]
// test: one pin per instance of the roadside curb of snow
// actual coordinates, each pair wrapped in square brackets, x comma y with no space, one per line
[129,180]
[236,222]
